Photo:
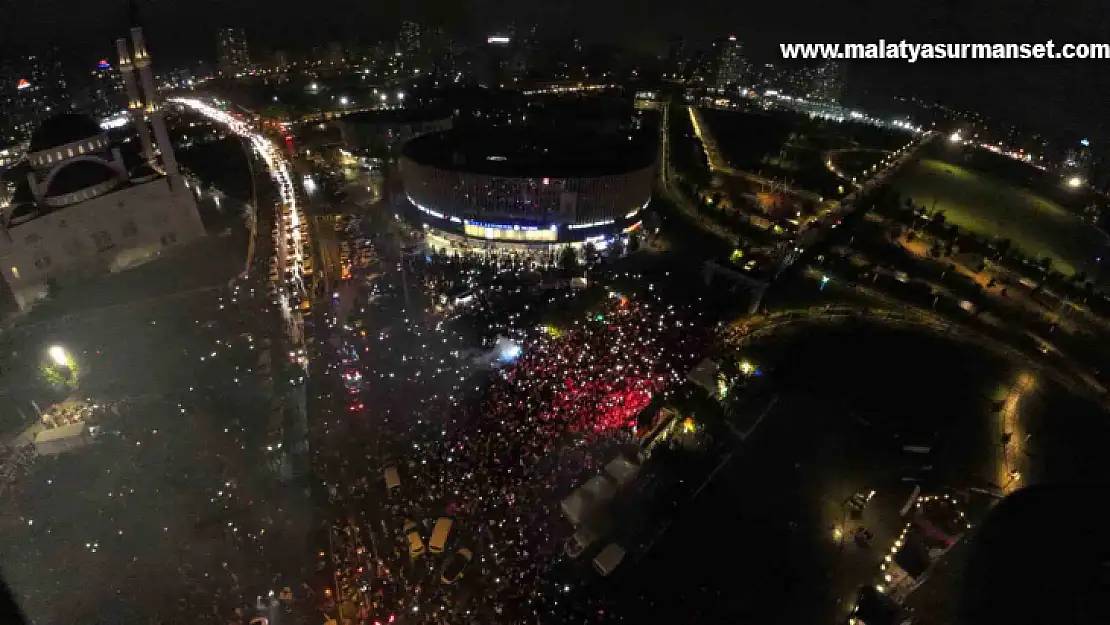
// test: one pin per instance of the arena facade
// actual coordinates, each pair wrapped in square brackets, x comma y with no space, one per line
[518,190]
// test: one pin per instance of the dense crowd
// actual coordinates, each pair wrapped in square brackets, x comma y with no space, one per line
[495,450]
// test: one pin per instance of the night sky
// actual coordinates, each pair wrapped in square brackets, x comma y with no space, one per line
[1054,96]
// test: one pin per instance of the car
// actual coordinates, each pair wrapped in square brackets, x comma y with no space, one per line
[455,566]
[355,407]
[416,544]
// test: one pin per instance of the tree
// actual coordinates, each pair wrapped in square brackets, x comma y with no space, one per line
[633,242]
[590,252]
[1003,246]
[568,260]
[616,249]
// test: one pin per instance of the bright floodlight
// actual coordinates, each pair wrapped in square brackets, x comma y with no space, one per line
[59,355]
[1075,182]
[954,137]
[344,101]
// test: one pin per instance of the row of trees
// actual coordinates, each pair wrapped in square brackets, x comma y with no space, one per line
[873,240]
[950,239]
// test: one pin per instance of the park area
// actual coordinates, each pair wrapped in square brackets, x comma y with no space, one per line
[993,208]
[792,147]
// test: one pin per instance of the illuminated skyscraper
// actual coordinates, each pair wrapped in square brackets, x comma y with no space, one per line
[408,40]
[234,58]
[732,67]
[828,82]
[105,95]
[33,87]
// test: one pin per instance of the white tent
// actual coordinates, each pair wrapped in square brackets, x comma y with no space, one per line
[705,375]
[622,470]
[609,558]
[574,507]
[599,488]
[579,503]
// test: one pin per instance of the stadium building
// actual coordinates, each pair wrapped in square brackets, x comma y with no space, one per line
[516,189]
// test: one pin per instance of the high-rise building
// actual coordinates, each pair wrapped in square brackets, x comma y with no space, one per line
[676,56]
[280,61]
[233,57]
[336,57]
[1077,161]
[732,66]
[105,95]
[828,82]
[408,39]
[32,88]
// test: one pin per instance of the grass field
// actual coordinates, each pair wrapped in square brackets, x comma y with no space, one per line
[993,208]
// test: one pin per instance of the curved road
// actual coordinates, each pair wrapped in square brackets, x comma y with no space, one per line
[758,327]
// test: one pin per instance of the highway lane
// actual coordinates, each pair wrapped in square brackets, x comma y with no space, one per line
[293,247]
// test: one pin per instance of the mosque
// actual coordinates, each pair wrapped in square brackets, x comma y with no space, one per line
[88,204]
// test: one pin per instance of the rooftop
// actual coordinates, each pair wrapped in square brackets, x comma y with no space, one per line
[63,129]
[528,152]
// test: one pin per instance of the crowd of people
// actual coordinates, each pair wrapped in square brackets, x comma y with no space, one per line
[494,449]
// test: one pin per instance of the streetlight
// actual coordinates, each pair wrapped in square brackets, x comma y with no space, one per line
[59,355]
[1075,182]
[344,101]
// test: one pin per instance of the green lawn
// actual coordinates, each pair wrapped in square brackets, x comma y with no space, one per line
[991,207]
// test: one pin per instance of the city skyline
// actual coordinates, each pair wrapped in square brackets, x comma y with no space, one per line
[1067,93]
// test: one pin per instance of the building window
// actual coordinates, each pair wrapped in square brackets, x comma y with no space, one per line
[58,154]
[102,240]
[169,239]
[130,229]
[81,149]
[15,272]
[70,151]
